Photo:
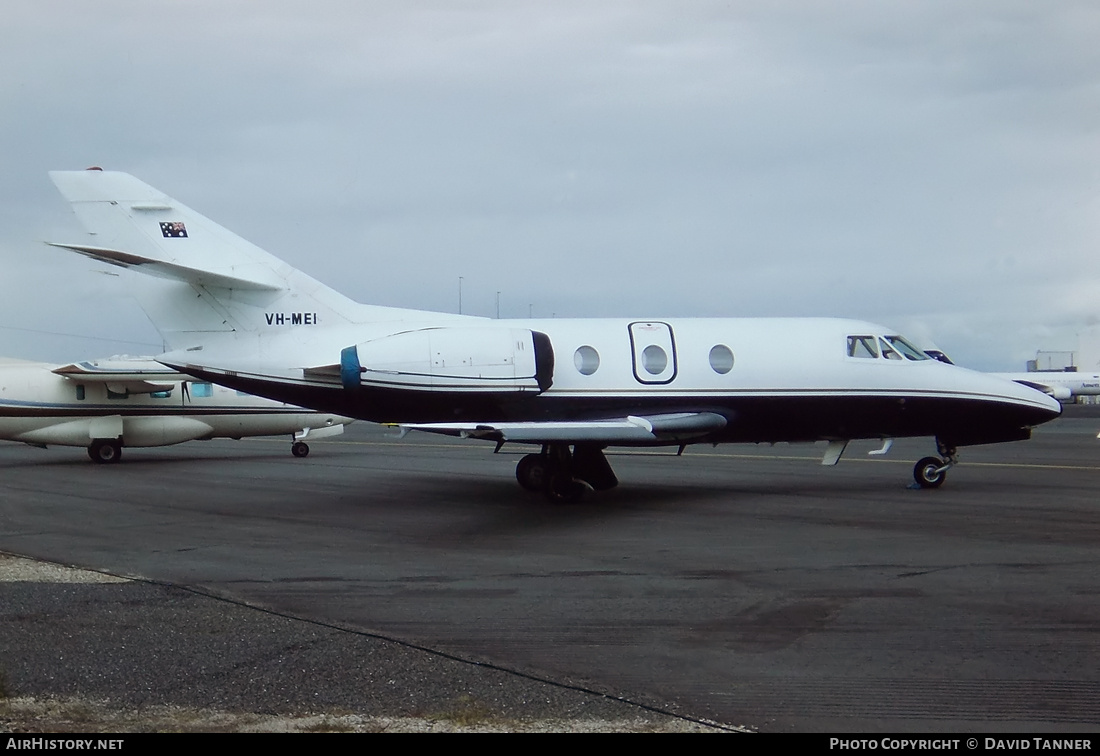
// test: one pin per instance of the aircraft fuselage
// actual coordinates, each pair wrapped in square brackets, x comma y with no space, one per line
[771,379]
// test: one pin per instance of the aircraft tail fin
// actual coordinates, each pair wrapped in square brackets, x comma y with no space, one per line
[219,282]
[137,225]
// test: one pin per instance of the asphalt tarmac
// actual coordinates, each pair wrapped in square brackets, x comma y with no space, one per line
[739,585]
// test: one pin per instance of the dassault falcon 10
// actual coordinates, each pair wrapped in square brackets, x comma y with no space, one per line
[233,314]
[105,405]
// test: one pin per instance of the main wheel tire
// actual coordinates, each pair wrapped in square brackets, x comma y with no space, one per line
[928,474]
[105,452]
[299,449]
[532,472]
[563,488]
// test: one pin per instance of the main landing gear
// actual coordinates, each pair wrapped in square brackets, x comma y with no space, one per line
[105,450]
[563,474]
[930,472]
[299,449]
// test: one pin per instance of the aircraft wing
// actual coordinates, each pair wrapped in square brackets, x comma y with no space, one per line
[632,429]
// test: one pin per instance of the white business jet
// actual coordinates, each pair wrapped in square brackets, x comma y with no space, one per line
[235,315]
[106,405]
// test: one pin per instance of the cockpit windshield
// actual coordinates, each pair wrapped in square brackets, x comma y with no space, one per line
[871,347]
[910,351]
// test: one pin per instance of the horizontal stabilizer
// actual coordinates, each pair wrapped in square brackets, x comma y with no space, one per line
[679,426]
[162,269]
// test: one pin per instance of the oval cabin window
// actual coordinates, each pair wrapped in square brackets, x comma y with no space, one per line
[586,359]
[721,359]
[654,359]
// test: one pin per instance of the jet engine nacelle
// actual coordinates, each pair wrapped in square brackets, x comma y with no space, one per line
[489,359]
[1061,393]
[134,431]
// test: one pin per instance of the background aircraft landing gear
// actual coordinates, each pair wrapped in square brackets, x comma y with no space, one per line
[105,450]
[299,449]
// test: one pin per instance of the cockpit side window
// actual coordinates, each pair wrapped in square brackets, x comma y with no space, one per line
[862,346]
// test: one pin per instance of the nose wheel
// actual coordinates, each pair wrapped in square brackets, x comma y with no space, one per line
[931,472]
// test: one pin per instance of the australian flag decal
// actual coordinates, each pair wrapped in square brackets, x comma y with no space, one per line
[174,230]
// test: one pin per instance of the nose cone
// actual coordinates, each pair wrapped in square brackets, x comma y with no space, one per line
[1035,407]
[1011,411]
[988,409]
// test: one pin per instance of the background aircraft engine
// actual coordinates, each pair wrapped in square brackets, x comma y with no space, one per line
[1061,393]
[511,360]
[134,431]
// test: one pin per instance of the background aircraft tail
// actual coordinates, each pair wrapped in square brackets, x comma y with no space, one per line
[212,281]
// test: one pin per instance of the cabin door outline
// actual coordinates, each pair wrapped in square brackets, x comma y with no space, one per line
[653,352]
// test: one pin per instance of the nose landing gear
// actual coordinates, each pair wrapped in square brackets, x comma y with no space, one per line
[930,472]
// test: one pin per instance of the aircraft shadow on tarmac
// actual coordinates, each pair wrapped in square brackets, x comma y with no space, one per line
[69,458]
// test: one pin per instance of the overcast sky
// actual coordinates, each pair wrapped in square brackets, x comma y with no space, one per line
[933,166]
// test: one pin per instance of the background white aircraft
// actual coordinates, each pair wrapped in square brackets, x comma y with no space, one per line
[1062,385]
[233,314]
[106,405]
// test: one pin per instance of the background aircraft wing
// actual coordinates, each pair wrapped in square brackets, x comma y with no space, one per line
[643,429]
[140,376]
[1059,392]
[1044,387]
